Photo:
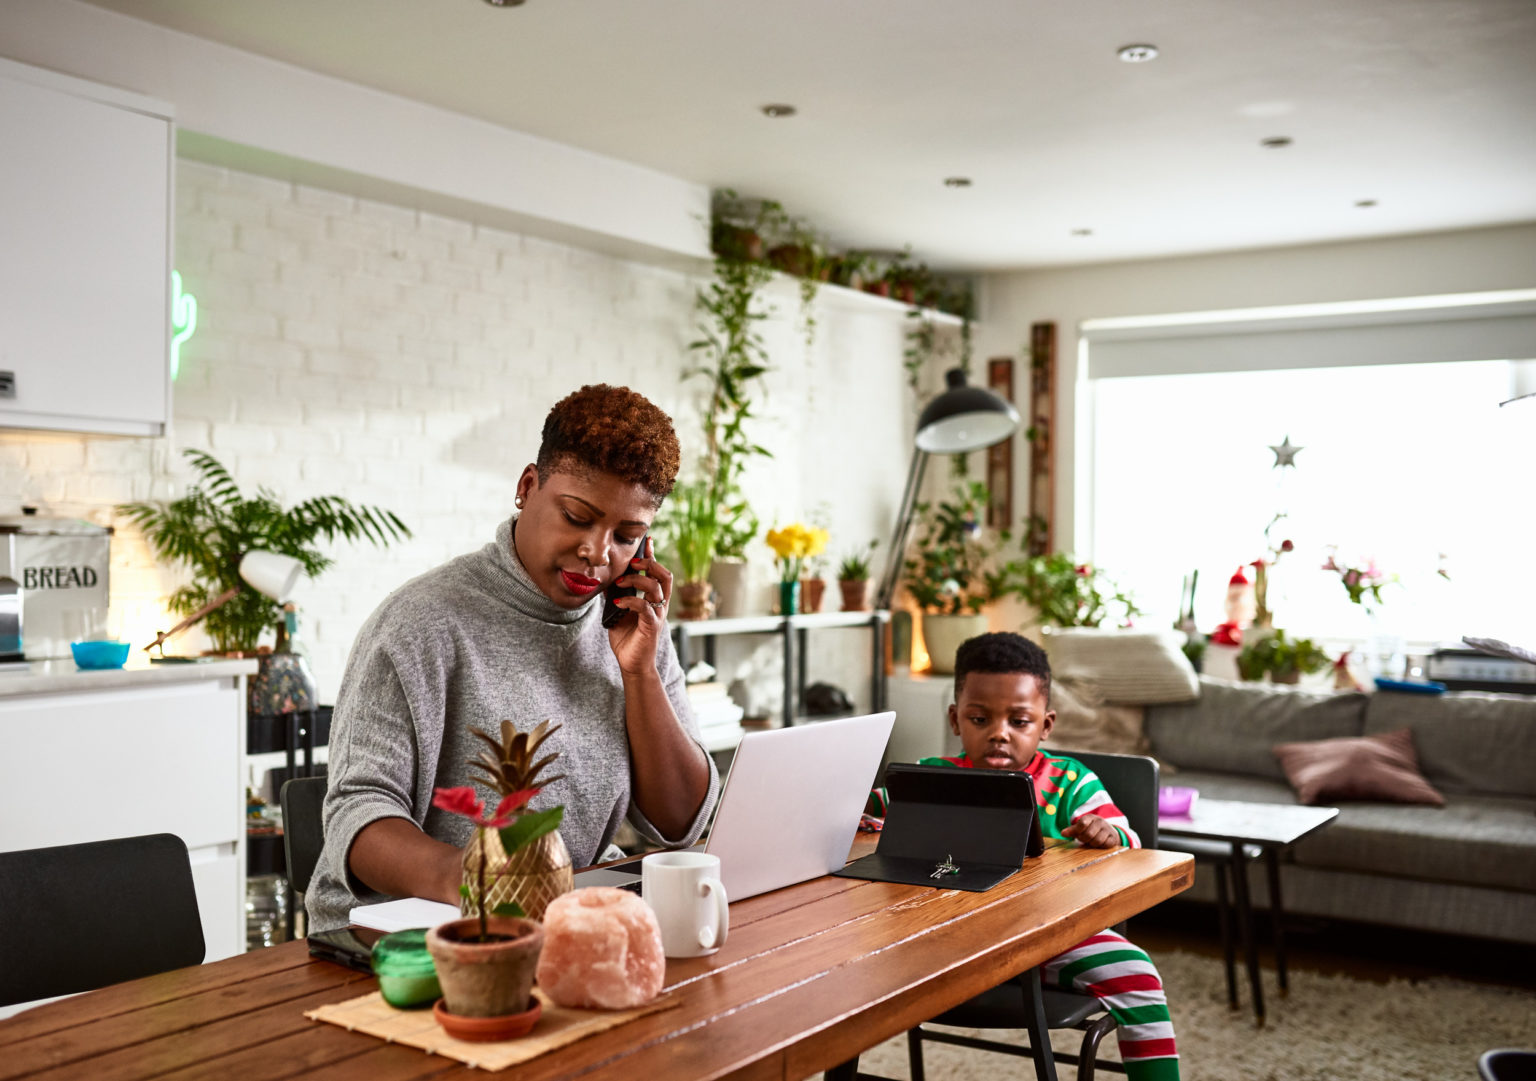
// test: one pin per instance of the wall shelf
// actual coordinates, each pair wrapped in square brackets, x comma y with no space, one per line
[794,632]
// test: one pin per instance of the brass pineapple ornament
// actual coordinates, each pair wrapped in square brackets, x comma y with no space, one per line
[535,873]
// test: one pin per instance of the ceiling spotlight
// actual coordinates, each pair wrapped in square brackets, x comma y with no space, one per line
[1082,232]
[505,3]
[1275,142]
[957,181]
[1137,54]
[778,111]
[1363,203]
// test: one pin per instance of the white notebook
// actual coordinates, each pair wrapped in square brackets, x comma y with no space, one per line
[403,914]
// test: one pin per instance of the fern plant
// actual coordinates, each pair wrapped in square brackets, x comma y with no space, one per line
[213,525]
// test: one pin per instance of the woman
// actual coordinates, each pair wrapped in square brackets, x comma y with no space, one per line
[514,632]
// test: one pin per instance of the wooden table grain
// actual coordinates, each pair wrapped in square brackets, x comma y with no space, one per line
[810,976]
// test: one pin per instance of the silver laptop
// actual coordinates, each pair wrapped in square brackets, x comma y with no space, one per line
[790,807]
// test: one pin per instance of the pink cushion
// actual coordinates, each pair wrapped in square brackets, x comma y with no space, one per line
[1382,767]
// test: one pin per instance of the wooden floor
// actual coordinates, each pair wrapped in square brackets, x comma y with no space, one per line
[1364,951]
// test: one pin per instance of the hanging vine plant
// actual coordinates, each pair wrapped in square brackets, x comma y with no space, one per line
[734,361]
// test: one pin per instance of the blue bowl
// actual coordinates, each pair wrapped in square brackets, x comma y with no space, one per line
[99,654]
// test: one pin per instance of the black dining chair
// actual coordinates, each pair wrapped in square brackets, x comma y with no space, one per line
[77,917]
[301,800]
[1020,1002]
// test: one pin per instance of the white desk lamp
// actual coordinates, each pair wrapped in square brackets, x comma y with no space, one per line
[271,574]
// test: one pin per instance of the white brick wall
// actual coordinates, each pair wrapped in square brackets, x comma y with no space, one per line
[404,359]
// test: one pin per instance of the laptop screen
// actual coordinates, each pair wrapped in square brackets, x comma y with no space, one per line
[790,806]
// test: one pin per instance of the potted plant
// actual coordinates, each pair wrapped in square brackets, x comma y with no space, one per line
[737,226]
[734,361]
[1065,593]
[486,962]
[1285,659]
[525,864]
[952,575]
[850,269]
[792,545]
[692,526]
[213,525]
[853,578]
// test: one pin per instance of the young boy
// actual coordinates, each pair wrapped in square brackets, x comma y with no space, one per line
[1001,713]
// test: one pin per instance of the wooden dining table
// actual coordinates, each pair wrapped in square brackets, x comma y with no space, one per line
[810,976]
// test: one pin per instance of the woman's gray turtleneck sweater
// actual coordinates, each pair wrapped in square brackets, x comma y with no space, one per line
[470,644]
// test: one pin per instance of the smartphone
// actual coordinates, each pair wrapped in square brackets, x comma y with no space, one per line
[612,613]
[345,947]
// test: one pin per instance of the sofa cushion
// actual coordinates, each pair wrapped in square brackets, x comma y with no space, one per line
[1084,722]
[1130,666]
[1472,840]
[1470,743]
[1232,727]
[1382,767]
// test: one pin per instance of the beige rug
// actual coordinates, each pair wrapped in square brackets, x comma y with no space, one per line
[1329,1028]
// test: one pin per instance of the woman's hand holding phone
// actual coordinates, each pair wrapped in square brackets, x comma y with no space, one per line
[643,590]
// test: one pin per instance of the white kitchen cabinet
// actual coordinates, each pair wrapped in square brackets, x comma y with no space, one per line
[90,756]
[85,255]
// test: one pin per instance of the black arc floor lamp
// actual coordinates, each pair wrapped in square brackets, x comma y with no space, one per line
[961,419]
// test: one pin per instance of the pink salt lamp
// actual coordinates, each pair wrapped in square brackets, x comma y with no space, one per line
[602,948]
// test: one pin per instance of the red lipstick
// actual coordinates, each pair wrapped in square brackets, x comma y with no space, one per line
[579,584]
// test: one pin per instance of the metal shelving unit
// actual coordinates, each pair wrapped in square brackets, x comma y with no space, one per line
[794,632]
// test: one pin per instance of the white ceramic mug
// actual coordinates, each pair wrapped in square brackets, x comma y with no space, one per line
[684,890]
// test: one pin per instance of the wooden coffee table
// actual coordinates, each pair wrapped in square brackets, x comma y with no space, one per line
[1229,834]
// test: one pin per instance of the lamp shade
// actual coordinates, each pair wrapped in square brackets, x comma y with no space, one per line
[964,418]
[271,573]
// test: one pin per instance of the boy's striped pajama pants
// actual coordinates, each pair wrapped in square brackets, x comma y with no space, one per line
[1121,976]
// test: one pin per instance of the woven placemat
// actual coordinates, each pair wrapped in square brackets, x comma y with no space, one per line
[558,1027]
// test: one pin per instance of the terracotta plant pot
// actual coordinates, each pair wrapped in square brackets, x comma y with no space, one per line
[485,1029]
[736,242]
[855,593]
[795,259]
[693,601]
[811,590]
[878,288]
[486,979]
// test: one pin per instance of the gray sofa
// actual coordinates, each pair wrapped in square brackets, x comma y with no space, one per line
[1466,868]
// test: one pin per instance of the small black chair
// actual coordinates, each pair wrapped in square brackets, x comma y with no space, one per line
[1019,1003]
[77,917]
[301,800]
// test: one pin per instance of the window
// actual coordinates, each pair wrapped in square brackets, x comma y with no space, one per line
[1401,463]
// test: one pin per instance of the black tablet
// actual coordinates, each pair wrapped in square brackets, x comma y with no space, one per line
[962,829]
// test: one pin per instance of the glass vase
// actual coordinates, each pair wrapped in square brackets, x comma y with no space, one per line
[789,598]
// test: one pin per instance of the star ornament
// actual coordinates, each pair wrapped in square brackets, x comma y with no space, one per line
[1285,454]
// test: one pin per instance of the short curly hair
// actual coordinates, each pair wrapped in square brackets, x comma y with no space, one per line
[611,430]
[1003,651]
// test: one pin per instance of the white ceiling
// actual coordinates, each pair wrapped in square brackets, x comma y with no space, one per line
[1425,106]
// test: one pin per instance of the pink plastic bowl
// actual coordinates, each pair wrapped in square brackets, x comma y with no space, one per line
[1176,799]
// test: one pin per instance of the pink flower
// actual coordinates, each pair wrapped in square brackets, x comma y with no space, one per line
[1083,570]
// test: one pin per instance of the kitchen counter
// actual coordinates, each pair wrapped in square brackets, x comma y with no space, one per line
[149,748]
[47,677]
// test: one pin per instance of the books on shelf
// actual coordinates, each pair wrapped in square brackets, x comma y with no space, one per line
[712,705]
